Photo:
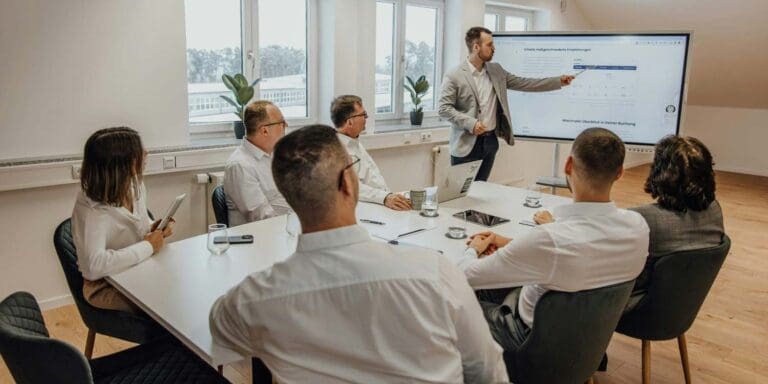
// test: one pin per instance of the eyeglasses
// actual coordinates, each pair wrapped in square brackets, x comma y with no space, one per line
[282,122]
[364,115]
[355,164]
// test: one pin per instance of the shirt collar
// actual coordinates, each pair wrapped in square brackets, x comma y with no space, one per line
[583,209]
[473,70]
[253,150]
[346,140]
[332,238]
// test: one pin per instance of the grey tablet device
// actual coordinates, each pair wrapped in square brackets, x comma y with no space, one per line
[171,211]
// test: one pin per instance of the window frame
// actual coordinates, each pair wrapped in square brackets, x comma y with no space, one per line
[398,115]
[501,12]
[249,11]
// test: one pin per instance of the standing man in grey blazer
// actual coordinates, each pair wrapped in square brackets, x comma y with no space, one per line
[474,100]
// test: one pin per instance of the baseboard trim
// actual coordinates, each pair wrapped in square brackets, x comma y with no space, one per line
[56,302]
[636,163]
[742,170]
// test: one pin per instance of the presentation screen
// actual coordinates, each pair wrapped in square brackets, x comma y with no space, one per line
[631,84]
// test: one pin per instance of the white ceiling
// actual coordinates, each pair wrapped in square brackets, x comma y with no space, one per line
[729,55]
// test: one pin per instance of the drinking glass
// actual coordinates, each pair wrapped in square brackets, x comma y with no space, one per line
[218,242]
[429,207]
[458,232]
[532,197]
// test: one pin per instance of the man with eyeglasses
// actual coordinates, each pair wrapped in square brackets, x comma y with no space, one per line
[344,307]
[250,190]
[349,116]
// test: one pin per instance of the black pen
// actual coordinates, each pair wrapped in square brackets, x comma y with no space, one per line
[412,232]
[372,222]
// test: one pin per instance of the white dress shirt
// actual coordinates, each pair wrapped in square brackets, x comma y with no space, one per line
[250,189]
[590,245]
[486,97]
[373,188]
[110,239]
[345,308]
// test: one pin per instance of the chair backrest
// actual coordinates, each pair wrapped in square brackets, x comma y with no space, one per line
[219,203]
[65,249]
[570,333]
[678,286]
[31,356]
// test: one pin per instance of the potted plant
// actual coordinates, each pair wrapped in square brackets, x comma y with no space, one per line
[417,90]
[243,93]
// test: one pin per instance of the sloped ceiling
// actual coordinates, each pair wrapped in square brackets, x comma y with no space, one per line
[729,55]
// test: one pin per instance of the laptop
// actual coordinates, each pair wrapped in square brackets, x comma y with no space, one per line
[456,182]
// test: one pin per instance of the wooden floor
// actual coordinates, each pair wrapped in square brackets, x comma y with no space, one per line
[728,343]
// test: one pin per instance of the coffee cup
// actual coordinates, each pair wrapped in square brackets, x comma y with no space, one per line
[417,198]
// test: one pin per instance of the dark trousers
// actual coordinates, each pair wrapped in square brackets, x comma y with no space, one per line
[486,146]
[500,310]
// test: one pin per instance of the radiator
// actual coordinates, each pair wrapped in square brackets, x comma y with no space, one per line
[441,162]
[211,180]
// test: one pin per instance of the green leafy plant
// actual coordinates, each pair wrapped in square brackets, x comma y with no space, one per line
[417,89]
[241,90]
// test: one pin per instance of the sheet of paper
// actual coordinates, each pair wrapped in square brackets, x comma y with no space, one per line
[399,227]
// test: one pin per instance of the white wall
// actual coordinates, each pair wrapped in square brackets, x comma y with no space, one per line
[28,258]
[70,67]
[735,136]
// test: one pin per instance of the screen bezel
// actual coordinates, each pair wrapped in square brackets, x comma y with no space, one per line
[683,85]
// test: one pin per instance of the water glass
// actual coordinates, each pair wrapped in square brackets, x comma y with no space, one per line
[429,207]
[218,242]
[533,197]
[458,232]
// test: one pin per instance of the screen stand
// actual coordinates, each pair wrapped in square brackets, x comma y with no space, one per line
[553,181]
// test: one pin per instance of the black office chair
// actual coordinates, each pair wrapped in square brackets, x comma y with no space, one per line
[570,333]
[122,325]
[219,203]
[33,357]
[678,286]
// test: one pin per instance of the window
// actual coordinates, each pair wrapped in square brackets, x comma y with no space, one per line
[385,48]
[408,43]
[508,19]
[491,21]
[214,47]
[264,39]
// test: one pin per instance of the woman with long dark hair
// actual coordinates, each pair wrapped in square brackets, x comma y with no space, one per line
[111,227]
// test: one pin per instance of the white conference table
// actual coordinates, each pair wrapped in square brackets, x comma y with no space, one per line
[178,286]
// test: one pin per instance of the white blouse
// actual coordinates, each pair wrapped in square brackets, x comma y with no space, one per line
[110,239]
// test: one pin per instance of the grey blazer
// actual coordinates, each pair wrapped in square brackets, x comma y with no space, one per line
[672,231]
[459,103]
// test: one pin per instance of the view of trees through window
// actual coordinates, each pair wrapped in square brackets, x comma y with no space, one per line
[207,66]
[419,53]
[215,47]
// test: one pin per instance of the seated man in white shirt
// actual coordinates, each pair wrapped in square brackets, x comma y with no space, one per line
[592,244]
[349,116]
[346,308]
[248,184]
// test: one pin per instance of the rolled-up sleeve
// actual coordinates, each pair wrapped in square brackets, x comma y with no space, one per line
[529,259]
